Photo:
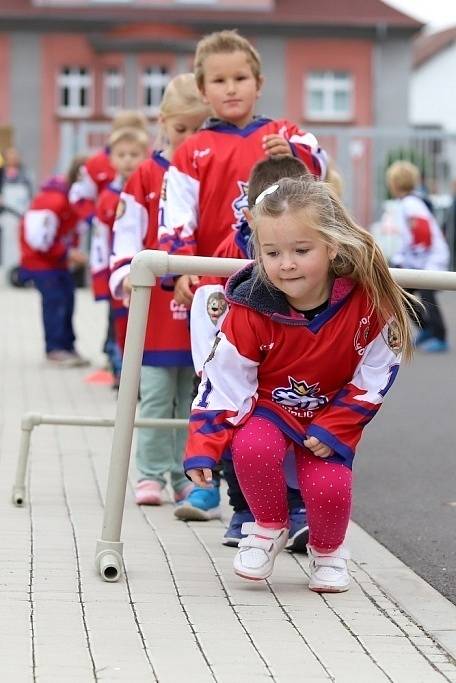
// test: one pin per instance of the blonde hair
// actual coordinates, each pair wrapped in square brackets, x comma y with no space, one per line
[181,97]
[224,42]
[402,177]
[334,179]
[136,135]
[358,256]
[130,118]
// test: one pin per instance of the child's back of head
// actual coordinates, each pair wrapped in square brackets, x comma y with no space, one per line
[268,171]
[402,177]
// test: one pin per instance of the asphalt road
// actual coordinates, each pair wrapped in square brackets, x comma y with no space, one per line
[405,469]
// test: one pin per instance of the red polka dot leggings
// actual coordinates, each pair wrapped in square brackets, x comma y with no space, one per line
[259,448]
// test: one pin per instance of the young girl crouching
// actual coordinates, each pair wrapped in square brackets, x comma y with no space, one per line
[310,346]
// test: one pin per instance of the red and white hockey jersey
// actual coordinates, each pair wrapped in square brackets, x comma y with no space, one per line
[325,378]
[422,244]
[94,176]
[135,228]
[101,239]
[49,228]
[207,183]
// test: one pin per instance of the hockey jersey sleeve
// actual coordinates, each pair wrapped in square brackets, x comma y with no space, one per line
[41,232]
[306,148]
[208,311]
[227,392]
[130,227]
[179,206]
[340,424]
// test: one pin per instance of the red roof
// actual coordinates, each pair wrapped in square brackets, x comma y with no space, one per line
[428,45]
[337,13]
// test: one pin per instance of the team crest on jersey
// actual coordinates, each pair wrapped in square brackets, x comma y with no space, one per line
[121,208]
[240,203]
[394,338]
[299,396]
[361,335]
[216,306]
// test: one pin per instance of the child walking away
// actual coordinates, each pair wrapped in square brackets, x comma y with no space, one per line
[422,246]
[167,371]
[206,316]
[199,215]
[313,339]
[49,249]
[128,149]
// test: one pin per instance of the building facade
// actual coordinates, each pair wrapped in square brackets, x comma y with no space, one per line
[68,66]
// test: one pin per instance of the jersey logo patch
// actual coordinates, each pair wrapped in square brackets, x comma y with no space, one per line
[216,306]
[361,335]
[299,395]
[240,203]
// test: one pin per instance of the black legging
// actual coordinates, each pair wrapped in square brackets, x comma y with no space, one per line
[430,319]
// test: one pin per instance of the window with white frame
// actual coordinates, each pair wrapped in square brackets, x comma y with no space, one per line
[329,95]
[154,80]
[74,91]
[113,90]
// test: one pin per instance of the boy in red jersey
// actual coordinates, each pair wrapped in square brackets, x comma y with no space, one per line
[208,177]
[128,149]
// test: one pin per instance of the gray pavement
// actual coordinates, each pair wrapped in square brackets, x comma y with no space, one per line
[179,612]
[405,493]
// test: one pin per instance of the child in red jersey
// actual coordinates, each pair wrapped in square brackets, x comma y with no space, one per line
[167,371]
[128,149]
[313,339]
[98,171]
[208,177]
[49,241]
[206,316]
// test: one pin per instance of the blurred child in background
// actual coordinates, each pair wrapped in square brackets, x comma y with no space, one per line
[49,244]
[128,149]
[421,245]
[167,369]
[98,171]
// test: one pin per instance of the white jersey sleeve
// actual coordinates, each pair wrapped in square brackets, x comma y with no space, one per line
[40,228]
[129,230]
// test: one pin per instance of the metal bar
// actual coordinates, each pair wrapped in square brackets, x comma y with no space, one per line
[109,548]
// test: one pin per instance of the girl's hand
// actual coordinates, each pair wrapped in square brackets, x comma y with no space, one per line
[321,450]
[201,477]
[276,146]
[183,293]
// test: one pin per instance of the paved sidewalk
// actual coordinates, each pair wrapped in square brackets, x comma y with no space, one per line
[180,613]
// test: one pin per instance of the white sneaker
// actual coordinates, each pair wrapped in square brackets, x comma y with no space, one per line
[257,552]
[329,573]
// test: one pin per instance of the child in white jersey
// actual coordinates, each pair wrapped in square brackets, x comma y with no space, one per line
[312,339]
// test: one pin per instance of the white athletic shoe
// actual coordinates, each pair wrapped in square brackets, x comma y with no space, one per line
[257,552]
[329,573]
